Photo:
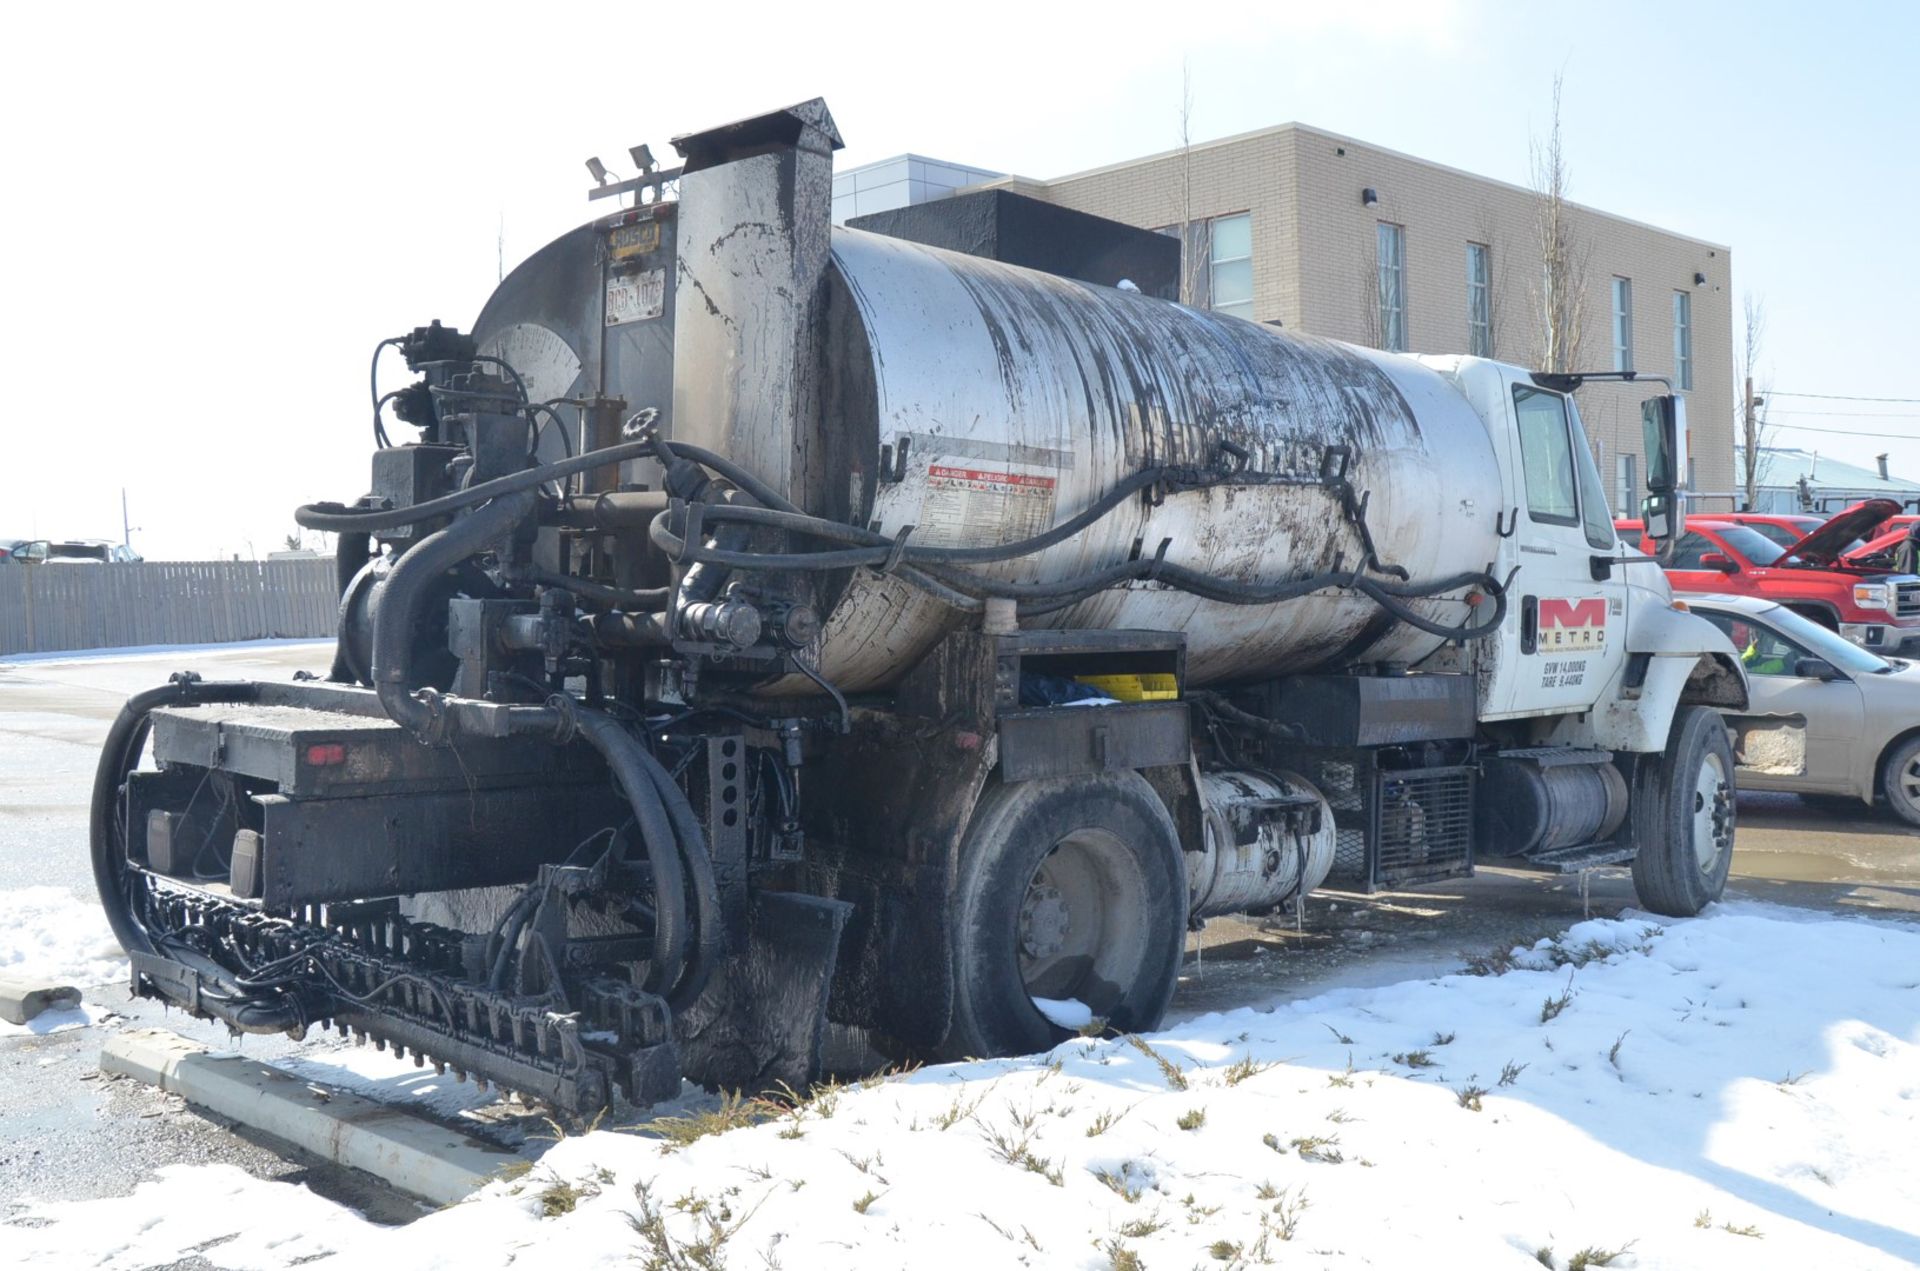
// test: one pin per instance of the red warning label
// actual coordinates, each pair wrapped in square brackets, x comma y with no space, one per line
[969,503]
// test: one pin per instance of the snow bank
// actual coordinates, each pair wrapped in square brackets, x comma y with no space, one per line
[45,933]
[1738,1090]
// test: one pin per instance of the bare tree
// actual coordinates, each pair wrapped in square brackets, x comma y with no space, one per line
[1750,413]
[1561,287]
[1194,243]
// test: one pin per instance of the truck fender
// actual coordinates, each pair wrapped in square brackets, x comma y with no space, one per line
[1674,659]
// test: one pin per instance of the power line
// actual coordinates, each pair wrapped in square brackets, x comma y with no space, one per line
[1845,397]
[1851,414]
[1843,432]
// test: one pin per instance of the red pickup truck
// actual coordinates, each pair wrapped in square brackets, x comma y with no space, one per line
[1873,608]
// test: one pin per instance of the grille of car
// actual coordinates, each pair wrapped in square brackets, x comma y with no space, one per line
[1906,600]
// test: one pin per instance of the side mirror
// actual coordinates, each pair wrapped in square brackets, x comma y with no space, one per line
[1664,522]
[1720,561]
[1816,669]
[1663,429]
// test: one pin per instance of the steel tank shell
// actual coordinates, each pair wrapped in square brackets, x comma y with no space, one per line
[1019,398]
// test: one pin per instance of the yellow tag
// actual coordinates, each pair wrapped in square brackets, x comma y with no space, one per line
[634,240]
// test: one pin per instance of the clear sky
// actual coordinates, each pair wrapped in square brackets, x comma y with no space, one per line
[212,213]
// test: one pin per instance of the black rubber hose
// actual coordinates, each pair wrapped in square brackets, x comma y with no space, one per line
[710,937]
[1048,597]
[627,759]
[118,758]
[872,548]
[343,519]
[643,600]
[396,606]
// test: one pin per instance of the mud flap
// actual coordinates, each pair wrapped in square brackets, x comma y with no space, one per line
[760,1023]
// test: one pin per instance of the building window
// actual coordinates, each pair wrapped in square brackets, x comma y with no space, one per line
[1623,324]
[1230,265]
[1479,301]
[1628,502]
[1683,339]
[1392,247]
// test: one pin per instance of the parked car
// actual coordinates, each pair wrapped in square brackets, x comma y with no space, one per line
[1869,606]
[1893,523]
[1824,717]
[72,551]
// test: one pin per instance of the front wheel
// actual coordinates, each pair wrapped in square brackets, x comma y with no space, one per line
[1683,816]
[1071,904]
[1900,780]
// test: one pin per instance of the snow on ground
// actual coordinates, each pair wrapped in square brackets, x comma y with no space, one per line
[49,937]
[47,934]
[1737,1090]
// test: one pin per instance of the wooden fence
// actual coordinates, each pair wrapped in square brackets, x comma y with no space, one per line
[52,608]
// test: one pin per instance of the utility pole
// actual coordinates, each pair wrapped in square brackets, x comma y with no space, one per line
[1748,440]
[126,528]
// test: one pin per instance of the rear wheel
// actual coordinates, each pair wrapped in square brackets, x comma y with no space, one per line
[1071,897]
[1900,780]
[1683,817]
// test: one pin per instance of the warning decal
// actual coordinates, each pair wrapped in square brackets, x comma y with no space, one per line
[985,502]
[1572,624]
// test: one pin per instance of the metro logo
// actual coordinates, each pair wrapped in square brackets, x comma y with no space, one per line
[1572,624]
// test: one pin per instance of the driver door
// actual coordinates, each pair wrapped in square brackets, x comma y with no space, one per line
[1571,626]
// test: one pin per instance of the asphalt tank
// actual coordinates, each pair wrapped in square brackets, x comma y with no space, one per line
[1008,399]
[981,403]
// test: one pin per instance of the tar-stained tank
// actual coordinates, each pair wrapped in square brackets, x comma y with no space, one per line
[1007,400]
[889,384]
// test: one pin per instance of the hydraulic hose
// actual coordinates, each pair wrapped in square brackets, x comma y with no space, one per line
[396,606]
[642,600]
[628,760]
[107,837]
[343,519]
[1038,598]
[710,937]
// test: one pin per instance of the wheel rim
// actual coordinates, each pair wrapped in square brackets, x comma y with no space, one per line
[1910,781]
[1080,931]
[1712,814]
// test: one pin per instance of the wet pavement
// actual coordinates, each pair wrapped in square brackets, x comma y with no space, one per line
[67,1131]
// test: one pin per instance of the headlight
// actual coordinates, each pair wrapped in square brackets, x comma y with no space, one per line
[1873,596]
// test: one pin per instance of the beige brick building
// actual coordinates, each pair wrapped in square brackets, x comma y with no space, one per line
[1326,234]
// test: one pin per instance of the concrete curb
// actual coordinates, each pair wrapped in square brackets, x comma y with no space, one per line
[412,1154]
[22,1000]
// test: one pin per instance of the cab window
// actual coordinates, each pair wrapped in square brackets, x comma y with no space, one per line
[1763,651]
[1691,547]
[1546,456]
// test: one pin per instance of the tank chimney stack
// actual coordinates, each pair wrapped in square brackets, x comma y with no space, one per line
[756,216]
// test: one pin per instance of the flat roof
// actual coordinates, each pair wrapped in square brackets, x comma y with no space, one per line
[1274,130]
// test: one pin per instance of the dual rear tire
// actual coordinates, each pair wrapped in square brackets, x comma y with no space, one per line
[1072,892]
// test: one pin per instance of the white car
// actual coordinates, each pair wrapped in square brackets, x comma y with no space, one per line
[1826,716]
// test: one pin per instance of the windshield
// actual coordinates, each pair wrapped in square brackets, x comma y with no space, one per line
[1750,543]
[1786,535]
[1780,637]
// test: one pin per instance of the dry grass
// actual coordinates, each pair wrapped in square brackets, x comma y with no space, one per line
[1175,1076]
